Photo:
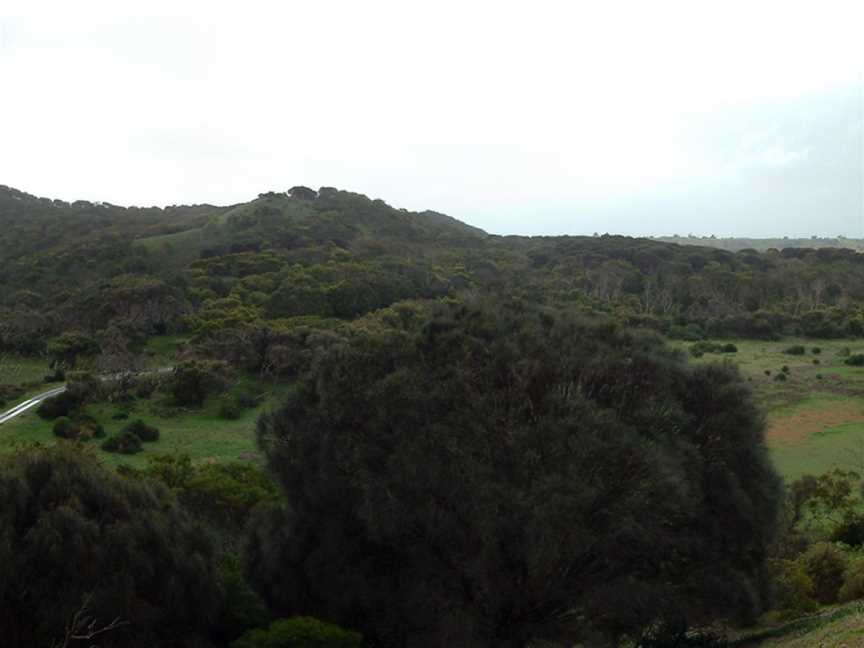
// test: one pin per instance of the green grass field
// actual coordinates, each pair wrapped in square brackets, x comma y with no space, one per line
[200,433]
[16,370]
[816,416]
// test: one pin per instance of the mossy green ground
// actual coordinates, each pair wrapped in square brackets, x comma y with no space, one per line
[16,370]
[199,432]
[816,416]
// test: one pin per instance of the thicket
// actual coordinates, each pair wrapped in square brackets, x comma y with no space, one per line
[447,466]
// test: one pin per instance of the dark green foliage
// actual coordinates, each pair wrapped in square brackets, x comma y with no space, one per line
[230,410]
[191,382]
[66,350]
[780,377]
[850,530]
[459,474]
[120,416]
[816,350]
[63,427]
[856,360]
[816,361]
[63,404]
[785,369]
[825,564]
[729,348]
[299,632]
[853,582]
[70,530]
[147,433]
[123,443]
[677,636]
[81,427]
[225,494]
[796,349]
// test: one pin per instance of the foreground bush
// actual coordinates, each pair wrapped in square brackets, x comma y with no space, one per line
[71,531]
[825,564]
[457,475]
[299,632]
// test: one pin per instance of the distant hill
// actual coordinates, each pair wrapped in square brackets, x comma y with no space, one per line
[123,274]
[734,244]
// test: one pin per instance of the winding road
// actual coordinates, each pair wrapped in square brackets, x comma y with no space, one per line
[32,402]
[35,400]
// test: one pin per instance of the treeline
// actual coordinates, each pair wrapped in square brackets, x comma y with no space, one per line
[122,275]
[444,472]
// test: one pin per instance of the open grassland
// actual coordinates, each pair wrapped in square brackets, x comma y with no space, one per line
[199,432]
[17,370]
[815,416]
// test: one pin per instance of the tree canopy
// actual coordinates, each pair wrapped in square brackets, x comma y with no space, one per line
[486,474]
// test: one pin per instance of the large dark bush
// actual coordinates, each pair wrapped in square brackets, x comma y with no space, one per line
[61,405]
[487,475]
[142,430]
[72,532]
[123,443]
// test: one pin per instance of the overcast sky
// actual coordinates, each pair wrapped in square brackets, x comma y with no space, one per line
[540,117]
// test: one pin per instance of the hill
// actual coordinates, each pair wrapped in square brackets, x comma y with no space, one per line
[123,274]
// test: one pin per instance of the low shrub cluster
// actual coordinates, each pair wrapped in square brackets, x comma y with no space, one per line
[80,427]
[856,360]
[131,438]
[701,348]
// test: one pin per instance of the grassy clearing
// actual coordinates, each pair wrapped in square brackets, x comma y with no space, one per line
[816,415]
[200,433]
[17,370]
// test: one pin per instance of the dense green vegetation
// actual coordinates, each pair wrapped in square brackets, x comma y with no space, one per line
[462,439]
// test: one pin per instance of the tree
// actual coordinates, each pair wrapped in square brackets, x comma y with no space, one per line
[70,531]
[66,350]
[485,475]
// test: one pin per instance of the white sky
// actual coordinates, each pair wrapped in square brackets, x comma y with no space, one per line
[540,117]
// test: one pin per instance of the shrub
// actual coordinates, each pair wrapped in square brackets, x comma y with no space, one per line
[767,372]
[853,582]
[850,531]
[819,376]
[792,587]
[796,349]
[123,443]
[816,361]
[729,348]
[63,427]
[230,410]
[784,369]
[299,632]
[462,426]
[120,416]
[816,350]
[72,530]
[780,377]
[61,405]
[825,564]
[86,427]
[844,352]
[856,360]
[139,428]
